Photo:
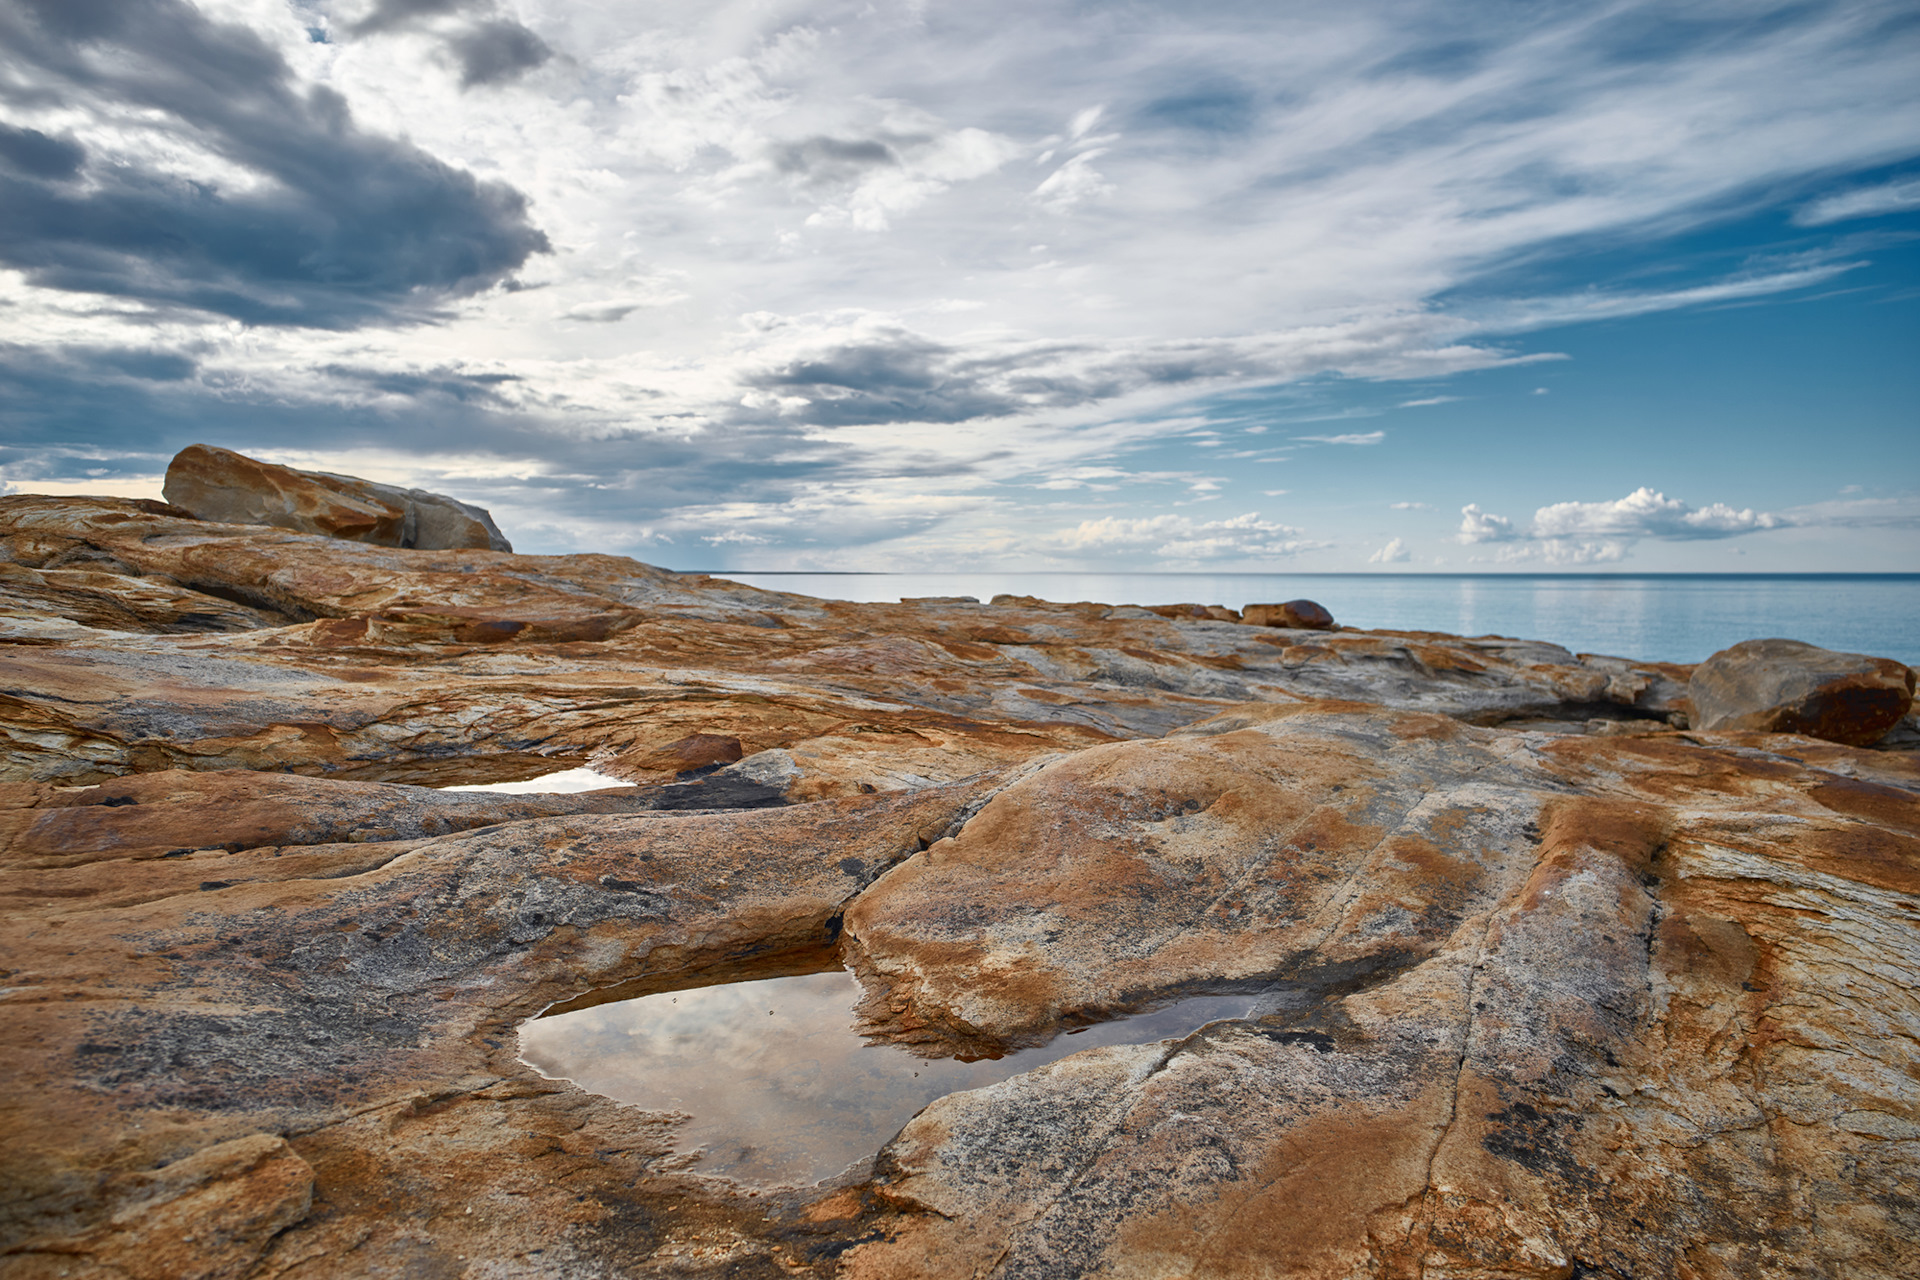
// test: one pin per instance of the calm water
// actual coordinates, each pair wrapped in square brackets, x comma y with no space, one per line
[780,1089]
[1664,617]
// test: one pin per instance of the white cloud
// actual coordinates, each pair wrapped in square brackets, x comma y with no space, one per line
[866,185]
[1181,538]
[1073,183]
[1862,202]
[1645,513]
[1415,404]
[1408,506]
[1480,526]
[1358,437]
[1395,552]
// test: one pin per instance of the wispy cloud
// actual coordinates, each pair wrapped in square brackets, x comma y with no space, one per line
[1358,437]
[839,276]
[1861,202]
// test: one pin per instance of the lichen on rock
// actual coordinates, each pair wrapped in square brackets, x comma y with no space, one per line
[1549,987]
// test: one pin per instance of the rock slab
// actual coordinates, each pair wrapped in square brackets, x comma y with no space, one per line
[221,485]
[1785,686]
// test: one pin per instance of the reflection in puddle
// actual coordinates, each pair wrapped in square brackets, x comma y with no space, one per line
[565,781]
[780,1088]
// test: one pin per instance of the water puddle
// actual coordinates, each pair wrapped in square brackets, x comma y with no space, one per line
[565,781]
[780,1089]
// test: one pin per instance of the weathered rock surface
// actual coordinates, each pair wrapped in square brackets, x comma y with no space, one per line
[1548,987]
[219,484]
[1301,615]
[1785,686]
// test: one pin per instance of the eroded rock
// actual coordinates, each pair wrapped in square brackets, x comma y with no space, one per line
[1785,686]
[1600,998]
[231,488]
[1300,615]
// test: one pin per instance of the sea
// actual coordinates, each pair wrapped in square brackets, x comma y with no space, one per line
[1678,617]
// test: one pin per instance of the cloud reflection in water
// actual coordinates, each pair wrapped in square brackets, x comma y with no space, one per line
[779,1086]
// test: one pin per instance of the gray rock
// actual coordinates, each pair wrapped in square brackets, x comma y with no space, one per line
[1785,686]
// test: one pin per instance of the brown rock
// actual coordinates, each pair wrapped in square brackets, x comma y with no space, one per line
[231,488]
[1301,615]
[1524,1004]
[1785,686]
[695,751]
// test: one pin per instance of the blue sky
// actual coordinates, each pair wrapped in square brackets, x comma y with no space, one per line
[1392,285]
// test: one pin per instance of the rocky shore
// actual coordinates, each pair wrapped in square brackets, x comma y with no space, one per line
[1584,966]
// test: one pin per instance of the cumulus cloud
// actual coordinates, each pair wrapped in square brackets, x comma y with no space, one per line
[1577,533]
[1481,526]
[1862,202]
[1645,513]
[1395,552]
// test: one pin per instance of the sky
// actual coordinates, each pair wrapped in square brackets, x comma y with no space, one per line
[1390,285]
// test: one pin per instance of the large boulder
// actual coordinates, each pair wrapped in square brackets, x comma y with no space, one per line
[1301,615]
[221,485]
[1785,686]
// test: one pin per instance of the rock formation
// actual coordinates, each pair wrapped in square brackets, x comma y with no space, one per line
[219,484]
[1303,615]
[1784,686]
[1554,981]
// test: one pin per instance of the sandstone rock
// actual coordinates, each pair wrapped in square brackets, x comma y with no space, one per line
[1785,686]
[1527,1004]
[1501,978]
[231,488]
[1301,615]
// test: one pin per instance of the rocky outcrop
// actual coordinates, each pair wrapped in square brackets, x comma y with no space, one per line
[1544,985]
[221,485]
[1301,615]
[1785,686]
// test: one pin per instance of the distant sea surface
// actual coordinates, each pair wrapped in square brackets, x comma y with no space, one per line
[1655,617]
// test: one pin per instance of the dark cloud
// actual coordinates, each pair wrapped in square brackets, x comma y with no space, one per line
[467,388]
[390,14]
[901,378]
[35,155]
[823,161]
[494,52]
[347,228]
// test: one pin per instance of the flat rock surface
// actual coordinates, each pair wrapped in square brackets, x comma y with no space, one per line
[1545,986]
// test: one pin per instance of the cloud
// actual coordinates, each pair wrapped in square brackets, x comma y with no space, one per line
[1480,526]
[1180,538]
[1645,513]
[1862,202]
[1264,203]
[1408,506]
[388,15]
[1395,552]
[1560,552]
[211,180]
[1073,183]
[1415,404]
[1359,437]
[495,52]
